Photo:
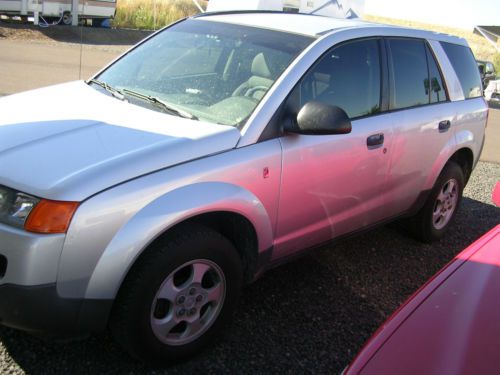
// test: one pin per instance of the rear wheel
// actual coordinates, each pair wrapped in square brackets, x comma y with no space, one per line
[441,206]
[178,296]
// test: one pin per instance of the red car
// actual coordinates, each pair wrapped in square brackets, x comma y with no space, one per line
[449,326]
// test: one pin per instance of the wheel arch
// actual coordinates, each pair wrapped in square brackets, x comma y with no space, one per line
[464,157]
[232,211]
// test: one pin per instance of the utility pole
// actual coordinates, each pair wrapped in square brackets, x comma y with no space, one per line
[74,12]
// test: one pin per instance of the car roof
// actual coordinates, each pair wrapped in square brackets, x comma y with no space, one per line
[308,24]
[311,25]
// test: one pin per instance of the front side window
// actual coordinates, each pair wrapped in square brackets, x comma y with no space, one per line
[348,76]
[212,71]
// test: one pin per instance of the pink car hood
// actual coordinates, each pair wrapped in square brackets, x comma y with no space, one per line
[450,326]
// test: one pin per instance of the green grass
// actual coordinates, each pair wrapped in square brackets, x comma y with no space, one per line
[152,14]
[479,45]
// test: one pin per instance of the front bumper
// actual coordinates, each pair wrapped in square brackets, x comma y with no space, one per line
[29,258]
[28,288]
[41,311]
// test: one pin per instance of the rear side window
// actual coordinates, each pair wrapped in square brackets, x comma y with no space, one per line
[347,76]
[465,67]
[410,77]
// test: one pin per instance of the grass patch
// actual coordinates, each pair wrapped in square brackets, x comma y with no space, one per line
[481,48]
[152,14]
[155,14]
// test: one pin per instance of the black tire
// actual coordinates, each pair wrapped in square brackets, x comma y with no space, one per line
[97,22]
[66,19]
[137,302]
[424,226]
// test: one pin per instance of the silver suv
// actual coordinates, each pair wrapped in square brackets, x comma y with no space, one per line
[144,198]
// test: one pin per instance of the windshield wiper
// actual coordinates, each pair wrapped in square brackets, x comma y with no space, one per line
[169,108]
[115,92]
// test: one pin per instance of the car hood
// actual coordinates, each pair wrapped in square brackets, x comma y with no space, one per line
[450,326]
[70,141]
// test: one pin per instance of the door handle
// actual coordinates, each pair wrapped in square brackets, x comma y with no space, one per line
[375,140]
[444,125]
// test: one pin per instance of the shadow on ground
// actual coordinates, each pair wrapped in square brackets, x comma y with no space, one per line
[309,316]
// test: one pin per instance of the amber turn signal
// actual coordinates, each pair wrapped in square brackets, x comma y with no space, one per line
[50,217]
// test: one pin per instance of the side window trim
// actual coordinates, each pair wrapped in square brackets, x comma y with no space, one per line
[274,128]
[385,77]
[428,48]
[451,80]
[382,64]
[430,55]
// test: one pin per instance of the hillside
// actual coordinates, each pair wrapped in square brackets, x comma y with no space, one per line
[481,48]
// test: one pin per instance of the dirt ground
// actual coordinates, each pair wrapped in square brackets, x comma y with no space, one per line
[56,34]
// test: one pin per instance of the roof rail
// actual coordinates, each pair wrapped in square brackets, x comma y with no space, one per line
[249,11]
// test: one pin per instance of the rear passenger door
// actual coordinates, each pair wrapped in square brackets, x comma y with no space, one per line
[334,184]
[423,119]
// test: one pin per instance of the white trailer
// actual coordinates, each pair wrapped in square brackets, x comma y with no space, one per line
[87,9]
[331,8]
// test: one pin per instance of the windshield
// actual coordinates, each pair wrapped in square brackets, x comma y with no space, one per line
[214,71]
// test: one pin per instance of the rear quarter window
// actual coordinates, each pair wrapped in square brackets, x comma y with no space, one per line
[464,64]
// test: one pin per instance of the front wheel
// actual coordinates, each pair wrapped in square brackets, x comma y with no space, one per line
[178,296]
[441,206]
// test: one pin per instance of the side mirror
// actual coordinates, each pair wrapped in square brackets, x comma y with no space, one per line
[316,118]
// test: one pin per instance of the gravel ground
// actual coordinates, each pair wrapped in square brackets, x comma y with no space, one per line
[309,316]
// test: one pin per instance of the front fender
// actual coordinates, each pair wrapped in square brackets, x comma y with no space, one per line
[165,212]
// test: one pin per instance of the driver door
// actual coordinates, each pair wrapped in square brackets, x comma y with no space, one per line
[334,184]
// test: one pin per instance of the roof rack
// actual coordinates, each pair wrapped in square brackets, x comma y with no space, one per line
[250,11]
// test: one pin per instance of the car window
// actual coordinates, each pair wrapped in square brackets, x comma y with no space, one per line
[410,77]
[462,60]
[212,71]
[435,85]
[348,76]
[201,58]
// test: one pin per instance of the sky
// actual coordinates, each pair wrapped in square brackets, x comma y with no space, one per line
[456,13]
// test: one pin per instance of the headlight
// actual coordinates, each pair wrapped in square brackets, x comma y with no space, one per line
[15,206]
[33,214]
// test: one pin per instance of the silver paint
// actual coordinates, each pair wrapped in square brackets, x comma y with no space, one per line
[165,170]
[32,258]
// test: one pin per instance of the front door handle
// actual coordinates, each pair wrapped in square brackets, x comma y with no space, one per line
[444,125]
[375,140]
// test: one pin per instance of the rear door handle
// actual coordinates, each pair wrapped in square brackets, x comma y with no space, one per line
[444,125]
[375,140]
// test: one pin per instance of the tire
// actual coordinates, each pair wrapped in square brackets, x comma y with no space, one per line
[66,18]
[178,296]
[439,211]
[97,22]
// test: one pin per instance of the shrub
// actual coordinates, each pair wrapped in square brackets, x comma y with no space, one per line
[496,62]
[152,14]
